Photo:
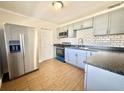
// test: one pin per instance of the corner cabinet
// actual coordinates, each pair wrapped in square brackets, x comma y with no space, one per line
[116,21]
[75,57]
[100,24]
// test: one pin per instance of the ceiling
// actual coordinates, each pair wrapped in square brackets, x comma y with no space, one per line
[45,11]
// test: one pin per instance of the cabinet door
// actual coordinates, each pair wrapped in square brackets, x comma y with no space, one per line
[81,58]
[117,21]
[57,32]
[65,28]
[73,57]
[88,23]
[66,55]
[101,24]
[78,26]
[71,32]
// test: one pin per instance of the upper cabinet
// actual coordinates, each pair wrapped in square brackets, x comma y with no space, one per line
[65,29]
[71,32]
[78,26]
[66,32]
[117,22]
[101,24]
[88,23]
[109,23]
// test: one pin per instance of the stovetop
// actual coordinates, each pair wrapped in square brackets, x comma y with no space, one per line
[62,45]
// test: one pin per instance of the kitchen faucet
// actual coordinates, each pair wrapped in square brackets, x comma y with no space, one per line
[80,41]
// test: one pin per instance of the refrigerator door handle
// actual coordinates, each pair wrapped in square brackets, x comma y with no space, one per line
[22,48]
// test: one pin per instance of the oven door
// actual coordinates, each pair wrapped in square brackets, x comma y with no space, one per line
[60,53]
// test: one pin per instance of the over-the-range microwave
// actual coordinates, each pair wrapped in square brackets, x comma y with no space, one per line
[63,34]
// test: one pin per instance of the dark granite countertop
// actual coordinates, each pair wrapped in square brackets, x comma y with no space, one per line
[111,61]
[93,48]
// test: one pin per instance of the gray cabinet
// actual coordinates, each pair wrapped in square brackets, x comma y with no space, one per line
[75,57]
[70,56]
[71,32]
[117,21]
[109,23]
[57,32]
[65,29]
[69,29]
[101,24]
[78,26]
[66,54]
[88,23]
[81,57]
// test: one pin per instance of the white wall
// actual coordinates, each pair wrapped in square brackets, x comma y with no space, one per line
[11,17]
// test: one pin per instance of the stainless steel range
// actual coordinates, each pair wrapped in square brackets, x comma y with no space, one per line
[60,50]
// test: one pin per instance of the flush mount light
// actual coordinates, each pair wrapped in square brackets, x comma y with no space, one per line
[57,4]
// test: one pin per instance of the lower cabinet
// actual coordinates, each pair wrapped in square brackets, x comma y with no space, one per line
[81,56]
[97,79]
[75,57]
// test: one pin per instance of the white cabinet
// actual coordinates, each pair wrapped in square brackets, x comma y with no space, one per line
[81,57]
[98,79]
[69,29]
[78,26]
[70,56]
[109,23]
[117,21]
[66,54]
[75,57]
[101,24]
[71,32]
[88,23]
[58,30]
[65,29]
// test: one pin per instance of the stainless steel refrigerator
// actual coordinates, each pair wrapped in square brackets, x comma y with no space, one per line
[21,49]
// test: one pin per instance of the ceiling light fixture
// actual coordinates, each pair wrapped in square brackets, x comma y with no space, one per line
[57,4]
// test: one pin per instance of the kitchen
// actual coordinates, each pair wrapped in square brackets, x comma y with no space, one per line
[88,46]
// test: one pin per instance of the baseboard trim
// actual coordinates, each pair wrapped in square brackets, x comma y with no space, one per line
[45,60]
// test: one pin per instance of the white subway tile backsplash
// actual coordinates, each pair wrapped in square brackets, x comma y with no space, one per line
[107,40]
[90,39]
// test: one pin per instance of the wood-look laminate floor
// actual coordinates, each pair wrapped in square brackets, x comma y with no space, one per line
[52,75]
